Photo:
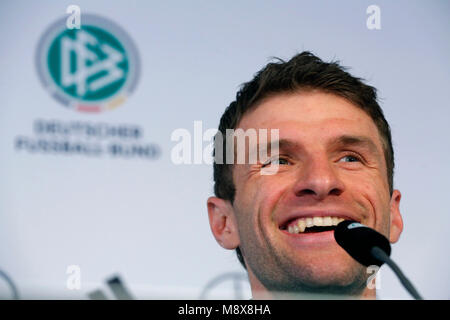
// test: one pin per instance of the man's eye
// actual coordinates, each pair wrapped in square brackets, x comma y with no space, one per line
[351,158]
[277,161]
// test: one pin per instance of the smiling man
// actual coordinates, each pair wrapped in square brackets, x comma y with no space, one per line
[335,161]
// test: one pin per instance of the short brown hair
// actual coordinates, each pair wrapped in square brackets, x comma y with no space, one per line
[304,71]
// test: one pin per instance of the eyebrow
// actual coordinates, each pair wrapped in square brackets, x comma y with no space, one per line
[340,141]
[283,144]
[357,141]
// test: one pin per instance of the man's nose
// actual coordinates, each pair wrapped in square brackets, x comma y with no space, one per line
[318,178]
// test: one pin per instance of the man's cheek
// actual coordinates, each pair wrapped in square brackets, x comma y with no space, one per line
[252,193]
[378,207]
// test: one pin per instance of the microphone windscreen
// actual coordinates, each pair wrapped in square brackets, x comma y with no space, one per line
[358,240]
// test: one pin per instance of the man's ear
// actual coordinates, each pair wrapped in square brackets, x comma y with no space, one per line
[396,218]
[223,222]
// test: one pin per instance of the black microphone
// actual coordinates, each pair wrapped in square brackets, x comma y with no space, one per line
[369,247]
[358,240]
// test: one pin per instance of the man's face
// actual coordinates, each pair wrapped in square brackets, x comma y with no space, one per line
[331,164]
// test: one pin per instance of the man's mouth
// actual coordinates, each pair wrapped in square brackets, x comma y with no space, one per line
[311,224]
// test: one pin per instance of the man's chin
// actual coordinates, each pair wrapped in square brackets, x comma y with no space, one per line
[305,290]
[313,282]
[325,288]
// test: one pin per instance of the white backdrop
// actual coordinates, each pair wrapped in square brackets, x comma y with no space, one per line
[146,220]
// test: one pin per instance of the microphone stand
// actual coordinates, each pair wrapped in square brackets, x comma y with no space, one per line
[382,256]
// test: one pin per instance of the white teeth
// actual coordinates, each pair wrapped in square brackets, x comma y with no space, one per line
[327,221]
[318,221]
[303,223]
